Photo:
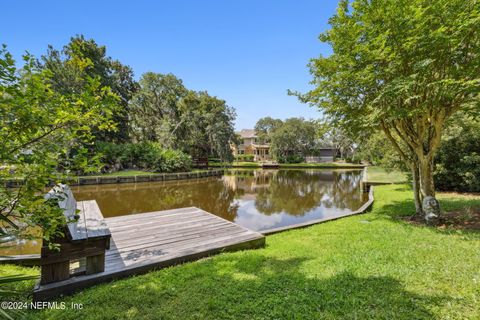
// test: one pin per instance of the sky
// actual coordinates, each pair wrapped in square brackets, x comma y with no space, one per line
[247,52]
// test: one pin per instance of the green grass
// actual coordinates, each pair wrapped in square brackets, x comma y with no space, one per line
[236,163]
[288,165]
[123,173]
[321,165]
[371,266]
[380,175]
[24,287]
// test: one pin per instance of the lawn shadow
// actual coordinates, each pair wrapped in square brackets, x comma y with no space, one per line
[254,286]
[402,210]
[284,291]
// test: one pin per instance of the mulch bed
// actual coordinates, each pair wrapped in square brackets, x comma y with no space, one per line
[465,219]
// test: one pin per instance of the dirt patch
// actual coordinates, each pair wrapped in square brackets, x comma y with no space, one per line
[466,219]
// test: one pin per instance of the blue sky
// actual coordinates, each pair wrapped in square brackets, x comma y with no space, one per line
[246,52]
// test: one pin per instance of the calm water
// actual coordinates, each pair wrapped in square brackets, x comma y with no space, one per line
[256,199]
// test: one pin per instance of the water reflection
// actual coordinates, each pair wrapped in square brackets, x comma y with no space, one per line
[271,199]
[256,199]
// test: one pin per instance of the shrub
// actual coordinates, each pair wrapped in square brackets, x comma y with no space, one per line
[173,161]
[356,160]
[291,159]
[147,155]
[245,157]
[457,164]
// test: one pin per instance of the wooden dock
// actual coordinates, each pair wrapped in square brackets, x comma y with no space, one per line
[142,242]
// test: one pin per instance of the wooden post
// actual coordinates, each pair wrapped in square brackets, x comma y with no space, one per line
[54,272]
[95,264]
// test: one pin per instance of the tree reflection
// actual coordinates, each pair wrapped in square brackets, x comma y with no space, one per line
[294,192]
[209,194]
[298,192]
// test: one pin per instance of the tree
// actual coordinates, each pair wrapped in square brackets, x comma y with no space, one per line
[154,109]
[218,121]
[375,151]
[164,111]
[44,134]
[68,77]
[404,67]
[338,138]
[210,128]
[265,127]
[295,137]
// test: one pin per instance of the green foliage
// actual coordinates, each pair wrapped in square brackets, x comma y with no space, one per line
[245,157]
[164,111]
[294,136]
[265,127]
[146,155]
[157,109]
[376,151]
[351,159]
[44,135]
[174,161]
[291,159]
[458,158]
[83,58]
[385,58]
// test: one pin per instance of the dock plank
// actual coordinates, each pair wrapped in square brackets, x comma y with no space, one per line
[148,241]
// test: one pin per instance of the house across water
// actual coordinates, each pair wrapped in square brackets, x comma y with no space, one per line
[250,144]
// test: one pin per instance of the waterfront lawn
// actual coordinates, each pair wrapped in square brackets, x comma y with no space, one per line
[380,175]
[123,173]
[370,266]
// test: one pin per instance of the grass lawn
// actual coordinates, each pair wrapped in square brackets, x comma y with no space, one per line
[378,174]
[124,173]
[371,266]
[239,163]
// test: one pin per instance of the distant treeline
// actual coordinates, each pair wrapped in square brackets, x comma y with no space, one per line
[158,109]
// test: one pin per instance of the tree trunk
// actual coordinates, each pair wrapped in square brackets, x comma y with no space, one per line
[416,190]
[427,187]
[430,205]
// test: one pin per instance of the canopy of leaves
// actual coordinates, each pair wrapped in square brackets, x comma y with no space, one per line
[398,59]
[294,136]
[265,127]
[44,135]
[82,59]
[163,110]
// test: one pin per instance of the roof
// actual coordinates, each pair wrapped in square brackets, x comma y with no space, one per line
[247,133]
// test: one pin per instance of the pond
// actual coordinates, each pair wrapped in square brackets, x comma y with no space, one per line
[256,199]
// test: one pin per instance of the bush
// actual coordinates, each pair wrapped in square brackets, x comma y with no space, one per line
[457,163]
[356,160]
[291,159]
[245,157]
[147,156]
